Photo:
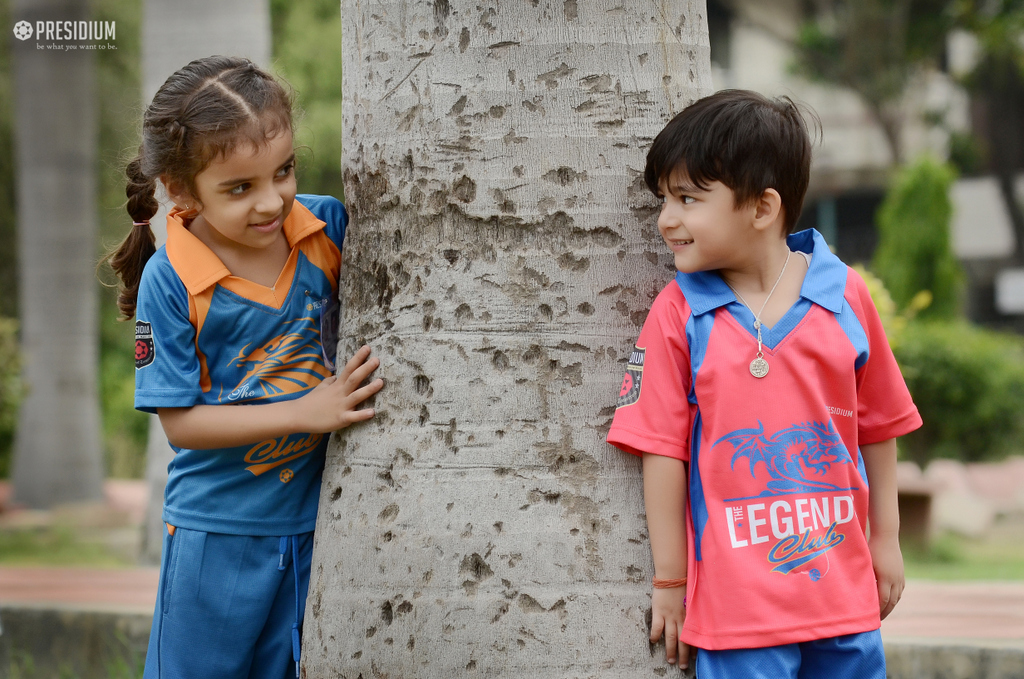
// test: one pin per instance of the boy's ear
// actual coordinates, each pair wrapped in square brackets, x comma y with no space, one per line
[767,209]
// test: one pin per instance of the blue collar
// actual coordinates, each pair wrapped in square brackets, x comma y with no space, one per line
[824,284]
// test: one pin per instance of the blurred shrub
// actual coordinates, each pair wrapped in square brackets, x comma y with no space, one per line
[968,383]
[893,321]
[10,390]
[914,252]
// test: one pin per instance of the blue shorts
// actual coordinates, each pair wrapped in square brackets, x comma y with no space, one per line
[851,656]
[228,606]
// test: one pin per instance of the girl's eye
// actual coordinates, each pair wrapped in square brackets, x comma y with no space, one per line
[238,190]
[286,170]
[688,199]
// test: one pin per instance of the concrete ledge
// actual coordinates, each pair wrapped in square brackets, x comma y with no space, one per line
[82,642]
[50,641]
[911,658]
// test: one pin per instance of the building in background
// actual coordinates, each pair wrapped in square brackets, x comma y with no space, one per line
[752,47]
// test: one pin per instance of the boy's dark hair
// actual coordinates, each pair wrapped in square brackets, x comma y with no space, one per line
[202,111]
[744,140]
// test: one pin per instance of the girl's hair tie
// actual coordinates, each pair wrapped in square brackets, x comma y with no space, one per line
[144,222]
[660,583]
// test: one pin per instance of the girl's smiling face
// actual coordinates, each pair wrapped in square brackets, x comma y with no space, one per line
[244,197]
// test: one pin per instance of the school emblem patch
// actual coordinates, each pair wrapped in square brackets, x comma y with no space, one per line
[145,350]
[631,383]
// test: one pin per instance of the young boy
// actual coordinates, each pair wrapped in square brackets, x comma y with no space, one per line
[764,399]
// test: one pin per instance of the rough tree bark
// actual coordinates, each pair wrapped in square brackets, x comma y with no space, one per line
[57,455]
[501,259]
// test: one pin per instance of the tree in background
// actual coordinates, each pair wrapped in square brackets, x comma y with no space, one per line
[914,252]
[57,455]
[996,84]
[501,258]
[873,47]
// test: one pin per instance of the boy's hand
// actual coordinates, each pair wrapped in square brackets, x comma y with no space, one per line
[888,564]
[667,615]
[332,404]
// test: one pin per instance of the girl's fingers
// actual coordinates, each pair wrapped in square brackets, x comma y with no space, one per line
[357,359]
[363,371]
[363,393]
[360,415]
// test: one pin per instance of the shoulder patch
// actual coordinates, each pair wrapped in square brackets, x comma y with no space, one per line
[145,350]
[631,383]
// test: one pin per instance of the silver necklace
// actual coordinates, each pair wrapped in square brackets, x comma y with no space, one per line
[759,366]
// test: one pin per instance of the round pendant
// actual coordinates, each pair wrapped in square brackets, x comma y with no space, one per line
[759,367]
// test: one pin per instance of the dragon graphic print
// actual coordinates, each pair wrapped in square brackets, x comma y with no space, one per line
[792,461]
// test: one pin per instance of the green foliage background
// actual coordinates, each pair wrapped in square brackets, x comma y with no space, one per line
[914,251]
[967,381]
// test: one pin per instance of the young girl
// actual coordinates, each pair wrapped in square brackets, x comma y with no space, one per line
[233,312]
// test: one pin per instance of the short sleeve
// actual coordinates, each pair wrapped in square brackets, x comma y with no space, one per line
[166,365]
[331,211]
[653,410]
[885,408]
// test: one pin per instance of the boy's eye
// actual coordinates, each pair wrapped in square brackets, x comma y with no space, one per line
[687,199]
[286,170]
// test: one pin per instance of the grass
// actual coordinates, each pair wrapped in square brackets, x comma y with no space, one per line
[999,555]
[57,545]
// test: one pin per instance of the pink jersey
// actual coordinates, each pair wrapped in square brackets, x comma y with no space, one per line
[778,495]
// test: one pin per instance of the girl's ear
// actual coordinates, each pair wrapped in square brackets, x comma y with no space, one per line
[767,209]
[177,193]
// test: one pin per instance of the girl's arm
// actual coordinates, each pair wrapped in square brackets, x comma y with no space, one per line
[329,406]
[884,523]
[665,500]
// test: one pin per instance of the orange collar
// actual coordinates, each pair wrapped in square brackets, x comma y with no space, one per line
[197,265]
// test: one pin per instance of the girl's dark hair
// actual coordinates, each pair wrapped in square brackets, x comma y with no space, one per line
[204,110]
[744,140]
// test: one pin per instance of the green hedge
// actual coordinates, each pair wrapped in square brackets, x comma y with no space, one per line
[10,390]
[968,383]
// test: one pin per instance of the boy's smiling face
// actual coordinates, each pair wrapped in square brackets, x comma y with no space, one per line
[704,228]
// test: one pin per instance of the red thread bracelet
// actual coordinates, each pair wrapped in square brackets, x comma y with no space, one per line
[660,583]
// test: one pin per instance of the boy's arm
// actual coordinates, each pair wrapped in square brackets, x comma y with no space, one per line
[665,502]
[329,406]
[884,522]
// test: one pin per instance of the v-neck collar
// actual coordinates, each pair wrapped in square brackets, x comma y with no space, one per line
[200,268]
[824,284]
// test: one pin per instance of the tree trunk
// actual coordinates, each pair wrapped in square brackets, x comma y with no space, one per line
[57,455]
[501,260]
[174,32]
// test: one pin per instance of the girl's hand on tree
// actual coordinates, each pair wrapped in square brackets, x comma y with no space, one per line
[332,404]
[668,613]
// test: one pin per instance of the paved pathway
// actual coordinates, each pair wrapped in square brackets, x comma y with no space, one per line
[965,611]
[968,612]
[115,589]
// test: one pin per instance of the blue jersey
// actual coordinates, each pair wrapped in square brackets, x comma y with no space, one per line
[205,337]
